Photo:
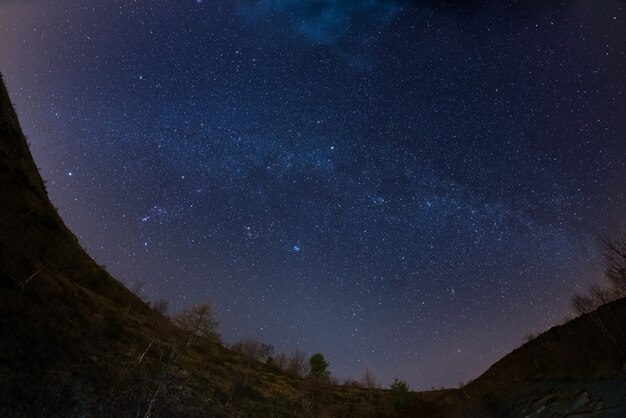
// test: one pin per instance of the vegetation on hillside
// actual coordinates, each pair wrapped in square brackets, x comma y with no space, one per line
[614,286]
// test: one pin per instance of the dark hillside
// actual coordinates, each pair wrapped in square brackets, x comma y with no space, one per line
[576,369]
[59,308]
[592,345]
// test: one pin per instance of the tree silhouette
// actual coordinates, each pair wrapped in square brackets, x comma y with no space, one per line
[319,365]
[600,294]
[399,391]
[615,263]
[369,381]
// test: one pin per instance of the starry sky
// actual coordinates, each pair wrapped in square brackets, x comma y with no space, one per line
[410,186]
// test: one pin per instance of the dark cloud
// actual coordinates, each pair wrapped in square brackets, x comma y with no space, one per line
[329,21]
[350,27]
[325,22]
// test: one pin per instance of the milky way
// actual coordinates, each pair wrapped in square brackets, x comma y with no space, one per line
[406,186]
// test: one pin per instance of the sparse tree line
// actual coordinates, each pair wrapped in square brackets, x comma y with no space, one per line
[298,365]
[614,285]
[160,387]
[200,321]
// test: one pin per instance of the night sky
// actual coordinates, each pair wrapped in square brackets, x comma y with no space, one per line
[406,186]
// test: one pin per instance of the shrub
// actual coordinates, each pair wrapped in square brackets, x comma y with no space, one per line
[318,366]
[279,361]
[399,393]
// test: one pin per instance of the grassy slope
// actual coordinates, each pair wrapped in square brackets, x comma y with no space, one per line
[75,341]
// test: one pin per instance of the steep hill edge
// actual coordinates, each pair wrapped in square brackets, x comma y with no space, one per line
[574,369]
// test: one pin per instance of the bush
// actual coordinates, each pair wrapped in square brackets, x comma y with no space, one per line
[399,393]
[279,361]
[319,366]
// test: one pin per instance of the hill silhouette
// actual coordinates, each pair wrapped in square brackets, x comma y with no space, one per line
[76,342]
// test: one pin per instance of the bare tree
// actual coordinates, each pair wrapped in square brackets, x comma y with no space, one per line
[369,381]
[137,288]
[601,295]
[615,264]
[161,306]
[198,321]
[584,304]
[297,364]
